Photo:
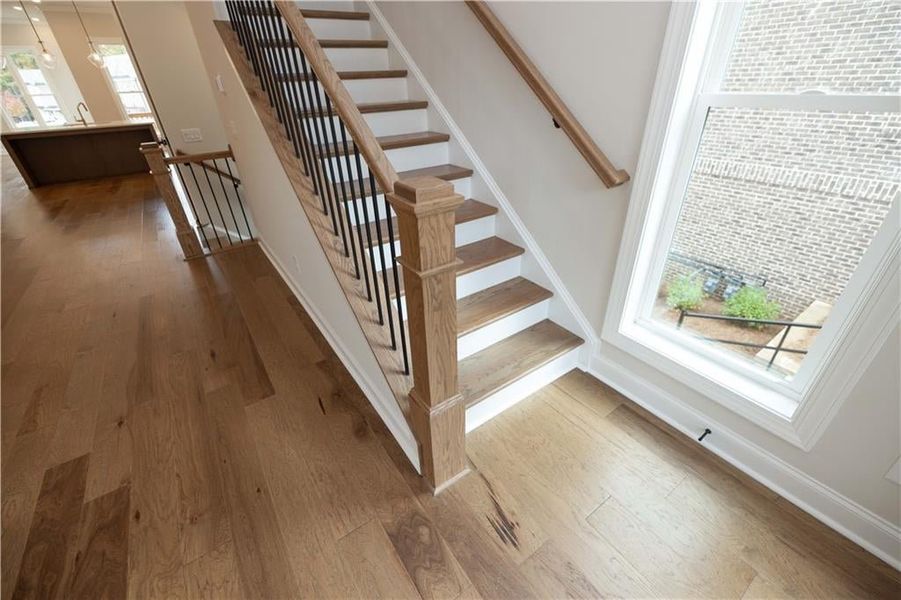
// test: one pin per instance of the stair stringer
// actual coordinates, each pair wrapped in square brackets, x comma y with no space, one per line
[563,309]
[377,336]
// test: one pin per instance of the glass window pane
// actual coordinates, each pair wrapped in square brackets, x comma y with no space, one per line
[837,47]
[14,106]
[782,203]
[124,79]
[135,103]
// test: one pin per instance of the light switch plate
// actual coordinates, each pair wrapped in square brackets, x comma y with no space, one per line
[191,135]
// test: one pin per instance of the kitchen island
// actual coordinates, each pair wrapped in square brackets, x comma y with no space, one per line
[76,152]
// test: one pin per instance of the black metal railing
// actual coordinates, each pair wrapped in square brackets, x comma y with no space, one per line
[213,193]
[779,347]
[331,158]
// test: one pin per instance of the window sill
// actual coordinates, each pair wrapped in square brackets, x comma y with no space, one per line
[765,403]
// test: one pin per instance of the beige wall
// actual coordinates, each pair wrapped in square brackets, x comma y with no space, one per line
[167,52]
[602,57]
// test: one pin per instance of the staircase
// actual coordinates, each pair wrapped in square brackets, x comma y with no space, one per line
[507,344]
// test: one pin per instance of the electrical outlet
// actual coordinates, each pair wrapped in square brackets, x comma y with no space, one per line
[191,135]
[220,85]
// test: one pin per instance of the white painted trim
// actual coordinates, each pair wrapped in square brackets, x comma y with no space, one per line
[520,389]
[385,407]
[860,525]
[797,411]
[586,331]
[499,330]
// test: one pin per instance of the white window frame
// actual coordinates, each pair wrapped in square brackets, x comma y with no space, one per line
[26,96]
[112,86]
[862,318]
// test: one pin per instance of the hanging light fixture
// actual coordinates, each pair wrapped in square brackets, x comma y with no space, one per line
[95,58]
[47,59]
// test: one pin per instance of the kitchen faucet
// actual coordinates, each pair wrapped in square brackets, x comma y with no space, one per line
[81,118]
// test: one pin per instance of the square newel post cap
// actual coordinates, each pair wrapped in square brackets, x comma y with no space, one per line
[424,195]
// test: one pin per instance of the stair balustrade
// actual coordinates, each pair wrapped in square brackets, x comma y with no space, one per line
[346,184]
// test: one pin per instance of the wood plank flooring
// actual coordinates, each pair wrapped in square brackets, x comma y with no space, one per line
[182,430]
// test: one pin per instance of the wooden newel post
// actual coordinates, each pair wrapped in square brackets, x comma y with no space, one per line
[425,213]
[190,245]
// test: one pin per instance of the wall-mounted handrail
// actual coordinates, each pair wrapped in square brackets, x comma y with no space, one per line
[563,118]
[341,99]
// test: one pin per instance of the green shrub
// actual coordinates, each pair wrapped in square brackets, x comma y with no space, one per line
[685,293]
[751,303]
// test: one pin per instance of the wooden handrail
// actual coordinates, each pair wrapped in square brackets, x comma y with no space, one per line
[341,99]
[182,157]
[610,175]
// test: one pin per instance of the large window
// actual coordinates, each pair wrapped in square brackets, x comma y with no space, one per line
[28,99]
[124,80]
[778,168]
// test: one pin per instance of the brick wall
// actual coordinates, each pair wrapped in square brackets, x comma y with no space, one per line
[797,196]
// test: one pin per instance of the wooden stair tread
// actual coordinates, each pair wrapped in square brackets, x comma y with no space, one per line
[509,360]
[352,15]
[353,43]
[349,75]
[470,210]
[308,13]
[492,304]
[376,107]
[393,142]
[475,256]
[446,172]
[327,43]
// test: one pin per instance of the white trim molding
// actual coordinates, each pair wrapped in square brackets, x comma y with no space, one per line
[796,410]
[862,526]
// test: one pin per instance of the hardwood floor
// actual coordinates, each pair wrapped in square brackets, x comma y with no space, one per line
[183,430]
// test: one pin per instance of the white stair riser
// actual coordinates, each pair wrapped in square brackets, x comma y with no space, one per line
[465,233]
[340,29]
[520,389]
[327,4]
[478,280]
[501,329]
[357,59]
[402,159]
[394,122]
[461,186]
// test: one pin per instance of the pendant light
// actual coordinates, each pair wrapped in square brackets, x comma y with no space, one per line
[47,59]
[94,57]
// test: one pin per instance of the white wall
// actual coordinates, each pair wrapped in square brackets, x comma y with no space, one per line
[285,231]
[170,61]
[601,57]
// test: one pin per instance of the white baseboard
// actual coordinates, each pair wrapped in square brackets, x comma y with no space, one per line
[586,331]
[862,526]
[389,413]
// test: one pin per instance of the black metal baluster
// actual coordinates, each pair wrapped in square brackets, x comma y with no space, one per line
[240,199]
[206,208]
[313,83]
[256,42]
[395,269]
[227,201]
[268,44]
[316,124]
[206,174]
[373,192]
[369,247]
[337,159]
[290,74]
[281,48]
[181,179]
[277,45]
[353,202]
